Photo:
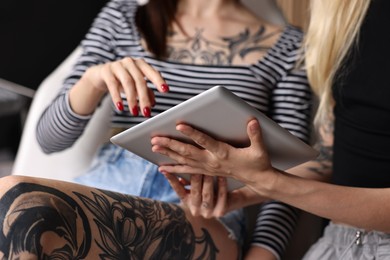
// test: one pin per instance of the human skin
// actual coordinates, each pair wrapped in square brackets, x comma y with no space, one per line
[43,218]
[251,165]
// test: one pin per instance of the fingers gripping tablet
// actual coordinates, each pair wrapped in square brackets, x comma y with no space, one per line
[224,116]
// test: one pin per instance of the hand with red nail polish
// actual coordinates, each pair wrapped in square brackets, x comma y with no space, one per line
[134,111]
[147,112]
[127,76]
[164,87]
[119,106]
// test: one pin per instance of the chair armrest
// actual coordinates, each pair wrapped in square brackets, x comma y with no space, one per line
[16,88]
[14,98]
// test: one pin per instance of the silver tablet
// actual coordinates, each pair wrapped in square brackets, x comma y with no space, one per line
[223,115]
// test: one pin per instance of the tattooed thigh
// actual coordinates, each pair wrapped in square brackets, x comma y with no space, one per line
[42,222]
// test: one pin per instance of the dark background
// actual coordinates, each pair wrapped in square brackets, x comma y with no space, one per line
[35,36]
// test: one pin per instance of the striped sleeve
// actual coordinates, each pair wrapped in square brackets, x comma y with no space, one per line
[275,224]
[59,127]
[291,104]
[291,97]
[291,107]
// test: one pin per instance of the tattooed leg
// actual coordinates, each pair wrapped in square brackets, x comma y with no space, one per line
[44,219]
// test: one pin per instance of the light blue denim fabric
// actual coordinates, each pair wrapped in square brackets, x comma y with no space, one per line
[119,170]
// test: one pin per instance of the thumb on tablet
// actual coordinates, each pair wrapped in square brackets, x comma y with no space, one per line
[255,134]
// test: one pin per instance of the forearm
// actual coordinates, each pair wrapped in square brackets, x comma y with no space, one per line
[58,128]
[84,97]
[320,168]
[244,197]
[65,119]
[362,207]
[314,170]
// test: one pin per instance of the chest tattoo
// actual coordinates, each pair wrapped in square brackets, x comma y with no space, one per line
[198,49]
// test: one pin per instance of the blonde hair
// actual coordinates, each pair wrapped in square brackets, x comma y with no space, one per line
[332,31]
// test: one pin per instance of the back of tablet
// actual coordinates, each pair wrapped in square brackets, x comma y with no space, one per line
[223,115]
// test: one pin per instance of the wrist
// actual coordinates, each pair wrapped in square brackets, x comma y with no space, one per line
[92,79]
[265,183]
[84,97]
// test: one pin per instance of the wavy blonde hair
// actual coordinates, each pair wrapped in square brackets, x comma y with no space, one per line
[332,31]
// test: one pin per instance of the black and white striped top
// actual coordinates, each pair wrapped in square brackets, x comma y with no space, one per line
[272,84]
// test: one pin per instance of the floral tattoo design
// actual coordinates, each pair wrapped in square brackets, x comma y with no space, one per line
[31,214]
[127,227]
[200,50]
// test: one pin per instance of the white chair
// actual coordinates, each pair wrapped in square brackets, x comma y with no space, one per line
[65,165]
[14,103]
[13,98]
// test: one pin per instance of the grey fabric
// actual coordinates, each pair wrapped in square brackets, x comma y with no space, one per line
[347,243]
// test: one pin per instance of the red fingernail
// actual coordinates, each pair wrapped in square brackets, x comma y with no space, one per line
[164,87]
[134,111]
[146,111]
[119,105]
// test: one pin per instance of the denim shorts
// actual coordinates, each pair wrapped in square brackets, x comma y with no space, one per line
[119,170]
[347,243]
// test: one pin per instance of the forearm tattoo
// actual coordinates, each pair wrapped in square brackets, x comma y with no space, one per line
[197,49]
[128,227]
[324,160]
[325,148]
